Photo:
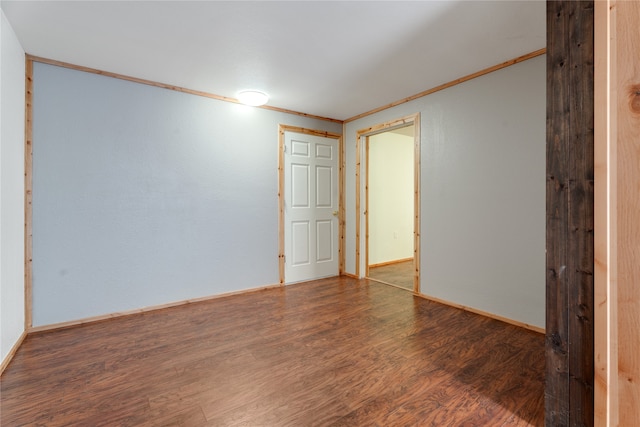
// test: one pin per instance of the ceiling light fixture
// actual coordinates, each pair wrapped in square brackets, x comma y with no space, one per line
[253,98]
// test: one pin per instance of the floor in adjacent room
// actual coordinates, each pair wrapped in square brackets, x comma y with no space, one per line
[397,273]
[333,352]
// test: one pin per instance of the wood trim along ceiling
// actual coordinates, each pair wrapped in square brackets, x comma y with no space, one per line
[282,110]
[341,224]
[451,83]
[171,87]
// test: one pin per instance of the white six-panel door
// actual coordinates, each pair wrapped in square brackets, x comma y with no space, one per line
[310,207]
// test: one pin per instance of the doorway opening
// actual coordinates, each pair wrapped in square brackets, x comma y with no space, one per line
[390,156]
[390,163]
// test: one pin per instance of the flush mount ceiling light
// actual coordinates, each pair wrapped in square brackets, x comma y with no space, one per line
[253,98]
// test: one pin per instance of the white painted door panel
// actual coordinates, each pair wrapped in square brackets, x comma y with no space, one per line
[310,207]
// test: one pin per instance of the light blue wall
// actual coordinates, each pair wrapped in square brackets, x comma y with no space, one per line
[144,196]
[11,189]
[482,191]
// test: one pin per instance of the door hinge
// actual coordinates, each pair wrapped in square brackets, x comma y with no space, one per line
[284,148]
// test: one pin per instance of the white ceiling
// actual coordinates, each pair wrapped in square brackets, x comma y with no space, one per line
[333,59]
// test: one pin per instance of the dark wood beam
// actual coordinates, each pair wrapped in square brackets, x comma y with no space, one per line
[570,213]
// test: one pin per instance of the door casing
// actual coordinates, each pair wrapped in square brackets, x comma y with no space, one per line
[281,194]
[361,154]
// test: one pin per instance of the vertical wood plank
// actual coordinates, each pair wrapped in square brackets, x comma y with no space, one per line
[416,204]
[627,15]
[366,204]
[281,242]
[605,300]
[341,209]
[557,384]
[358,155]
[28,192]
[581,211]
[569,344]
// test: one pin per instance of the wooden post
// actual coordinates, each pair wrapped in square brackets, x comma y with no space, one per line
[570,213]
[626,84]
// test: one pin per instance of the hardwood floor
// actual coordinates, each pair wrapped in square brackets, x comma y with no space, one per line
[398,273]
[334,352]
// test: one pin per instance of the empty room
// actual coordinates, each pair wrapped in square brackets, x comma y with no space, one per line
[192,208]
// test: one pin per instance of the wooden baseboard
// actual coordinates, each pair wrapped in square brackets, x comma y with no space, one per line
[104,317]
[484,313]
[395,261]
[465,308]
[12,352]
[353,276]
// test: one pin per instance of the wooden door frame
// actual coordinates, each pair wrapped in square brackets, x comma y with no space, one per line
[281,241]
[414,120]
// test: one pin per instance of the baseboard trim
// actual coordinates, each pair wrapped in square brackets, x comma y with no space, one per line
[7,360]
[105,317]
[395,261]
[465,308]
[353,276]
[484,313]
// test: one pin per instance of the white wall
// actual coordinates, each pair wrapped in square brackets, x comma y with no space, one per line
[482,191]
[12,62]
[144,196]
[390,197]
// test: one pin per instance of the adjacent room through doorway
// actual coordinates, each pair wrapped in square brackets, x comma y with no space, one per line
[390,211]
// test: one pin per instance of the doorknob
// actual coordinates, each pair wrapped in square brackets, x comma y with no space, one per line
[335,213]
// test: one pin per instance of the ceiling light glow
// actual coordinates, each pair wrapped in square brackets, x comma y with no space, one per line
[253,98]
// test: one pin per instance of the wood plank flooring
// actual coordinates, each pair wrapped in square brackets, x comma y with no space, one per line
[398,273]
[334,352]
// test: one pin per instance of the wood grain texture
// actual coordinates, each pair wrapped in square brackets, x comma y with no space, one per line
[605,296]
[342,217]
[570,214]
[339,352]
[28,196]
[628,205]
[416,201]
[399,273]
